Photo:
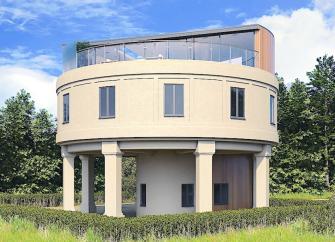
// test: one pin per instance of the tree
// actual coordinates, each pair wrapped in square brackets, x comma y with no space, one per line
[295,165]
[322,92]
[29,156]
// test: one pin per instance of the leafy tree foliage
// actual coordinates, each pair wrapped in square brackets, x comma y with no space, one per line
[29,156]
[303,161]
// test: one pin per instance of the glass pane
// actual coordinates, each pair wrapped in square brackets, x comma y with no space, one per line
[272,120]
[134,51]
[183,195]
[69,56]
[236,55]
[250,58]
[168,99]
[202,51]
[66,110]
[111,101]
[91,56]
[103,101]
[82,58]
[221,194]
[179,102]
[113,53]
[233,102]
[241,102]
[225,53]
[178,50]
[99,55]
[161,50]
[143,201]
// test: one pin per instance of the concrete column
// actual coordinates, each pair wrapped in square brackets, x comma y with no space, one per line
[87,184]
[203,194]
[113,179]
[68,180]
[261,177]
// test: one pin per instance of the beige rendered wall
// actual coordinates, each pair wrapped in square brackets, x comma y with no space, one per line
[163,172]
[139,101]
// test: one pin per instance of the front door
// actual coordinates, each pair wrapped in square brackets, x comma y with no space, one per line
[232,182]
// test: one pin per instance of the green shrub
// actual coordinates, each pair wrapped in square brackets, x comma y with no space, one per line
[275,202]
[192,224]
[44,200]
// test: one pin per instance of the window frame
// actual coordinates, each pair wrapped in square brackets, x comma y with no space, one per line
[238,89]
[66,112]
[174,100]
[272,110]
[187,204]
[107,102]
[225,202]
[143,195]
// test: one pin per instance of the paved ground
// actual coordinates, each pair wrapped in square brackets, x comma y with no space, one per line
[128,209]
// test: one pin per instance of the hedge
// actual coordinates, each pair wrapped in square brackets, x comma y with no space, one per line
[275,202]
[56,199]
[44,200]
[160,226]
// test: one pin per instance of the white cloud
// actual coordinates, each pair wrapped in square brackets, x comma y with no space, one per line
[23,69]
[301,36]
[31,15]
[39,84]
[22,57]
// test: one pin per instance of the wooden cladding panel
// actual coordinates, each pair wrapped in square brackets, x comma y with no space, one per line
[236,170]
[264,44]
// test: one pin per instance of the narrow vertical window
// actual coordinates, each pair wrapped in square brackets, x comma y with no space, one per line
[187,195]
[107,102]
[173,100]
[143,197]
[272,109]
[237,102]
[66,108]
[221,194]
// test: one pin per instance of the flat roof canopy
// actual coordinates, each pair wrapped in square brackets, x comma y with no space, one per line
[180,35]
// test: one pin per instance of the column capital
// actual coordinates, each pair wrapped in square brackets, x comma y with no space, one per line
[66,154]
[205,147]
[266,152]
[84,157]
[110,148]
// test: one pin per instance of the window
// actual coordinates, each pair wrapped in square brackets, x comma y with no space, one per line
[66,108]
[187,195]
[173,100]
[221,194]
[107,102]
[143,191]
[237,102]
[272,109]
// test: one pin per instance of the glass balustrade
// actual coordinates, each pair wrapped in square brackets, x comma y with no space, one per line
[180,50]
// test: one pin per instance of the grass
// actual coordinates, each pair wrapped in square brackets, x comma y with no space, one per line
[23,230]
[294,232]
[307,196]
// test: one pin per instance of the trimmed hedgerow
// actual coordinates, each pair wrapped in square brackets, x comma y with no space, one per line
[275,202]
[44,200]
[192,224]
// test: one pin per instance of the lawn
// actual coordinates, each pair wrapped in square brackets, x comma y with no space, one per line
[23,230]
[307,196]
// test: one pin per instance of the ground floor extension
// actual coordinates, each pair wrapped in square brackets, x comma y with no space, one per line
[173,176]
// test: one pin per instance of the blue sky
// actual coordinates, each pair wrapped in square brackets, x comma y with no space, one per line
[32,32]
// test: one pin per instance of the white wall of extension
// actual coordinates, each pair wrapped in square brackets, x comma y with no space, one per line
[164,172]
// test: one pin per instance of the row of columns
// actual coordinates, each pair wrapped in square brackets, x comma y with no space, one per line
[113,179]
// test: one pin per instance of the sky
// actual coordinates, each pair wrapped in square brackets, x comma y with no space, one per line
[32,33]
